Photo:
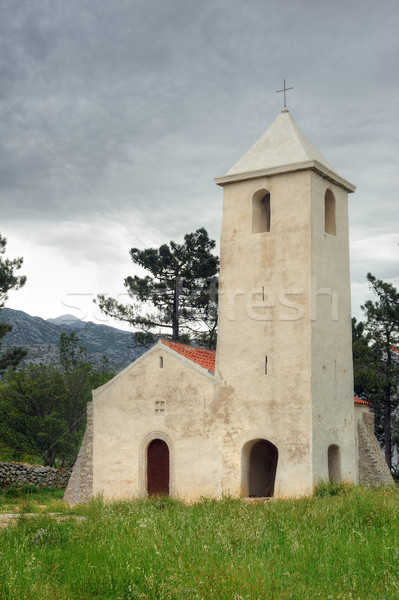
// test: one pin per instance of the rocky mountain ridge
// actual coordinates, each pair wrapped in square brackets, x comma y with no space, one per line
[41,338]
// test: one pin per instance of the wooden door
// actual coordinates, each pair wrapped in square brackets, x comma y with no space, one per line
[158,468]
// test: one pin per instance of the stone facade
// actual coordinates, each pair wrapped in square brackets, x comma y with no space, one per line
[277,306]
[373,469]
[126,418]
[23,474]
[80,484]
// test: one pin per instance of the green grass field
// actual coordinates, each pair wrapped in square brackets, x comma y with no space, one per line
[342,546]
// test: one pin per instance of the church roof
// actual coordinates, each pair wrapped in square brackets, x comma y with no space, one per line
[201,356]
[360,402]
[283,143]
[283,147]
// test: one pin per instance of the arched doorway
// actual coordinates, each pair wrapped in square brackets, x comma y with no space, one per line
[158,468]
[263,458]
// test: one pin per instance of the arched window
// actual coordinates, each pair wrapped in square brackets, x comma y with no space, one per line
[334,463]
[329,213]
[261,211]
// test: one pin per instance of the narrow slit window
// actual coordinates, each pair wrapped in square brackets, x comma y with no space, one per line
[261,212]
[329,213]
[265,365]
[334,463]
[161,362]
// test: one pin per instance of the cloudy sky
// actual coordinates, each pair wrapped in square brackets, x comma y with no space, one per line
[116,116]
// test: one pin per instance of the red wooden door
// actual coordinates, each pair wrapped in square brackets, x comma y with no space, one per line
[158,468]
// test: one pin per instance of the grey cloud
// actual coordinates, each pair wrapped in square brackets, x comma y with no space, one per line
[148,101]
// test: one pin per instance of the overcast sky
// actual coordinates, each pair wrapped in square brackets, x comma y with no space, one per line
[116,116]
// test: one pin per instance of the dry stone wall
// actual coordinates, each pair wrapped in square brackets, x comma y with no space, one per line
[23,474]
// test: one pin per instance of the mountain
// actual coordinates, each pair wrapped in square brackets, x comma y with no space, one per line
[41,337]
[70,320]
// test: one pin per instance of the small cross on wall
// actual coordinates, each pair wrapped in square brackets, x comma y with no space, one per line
[159,407]
[285,89]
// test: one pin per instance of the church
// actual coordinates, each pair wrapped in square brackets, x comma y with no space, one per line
[271,413]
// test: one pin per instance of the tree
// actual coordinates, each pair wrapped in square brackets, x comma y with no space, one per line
[9,281]
[382,330]
[70,354]
[181,286]
[32,415]
[43,408]
[367,380]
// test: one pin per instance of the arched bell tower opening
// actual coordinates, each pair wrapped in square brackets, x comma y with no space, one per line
[330,225]
[259,467]
[334,463]
[261,211]
[158,468]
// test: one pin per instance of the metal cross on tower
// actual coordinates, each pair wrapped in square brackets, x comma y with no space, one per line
[285,89]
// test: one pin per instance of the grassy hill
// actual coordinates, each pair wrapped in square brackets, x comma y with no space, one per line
[334,547]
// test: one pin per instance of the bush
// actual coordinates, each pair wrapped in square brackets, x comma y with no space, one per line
[395,474]
[326,489]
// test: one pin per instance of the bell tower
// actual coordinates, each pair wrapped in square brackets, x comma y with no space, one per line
[284,355]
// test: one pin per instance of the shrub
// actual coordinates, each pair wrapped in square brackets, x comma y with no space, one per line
[326,489]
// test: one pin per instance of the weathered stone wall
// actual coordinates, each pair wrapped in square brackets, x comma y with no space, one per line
[80,485]
[23,474]
[373,469]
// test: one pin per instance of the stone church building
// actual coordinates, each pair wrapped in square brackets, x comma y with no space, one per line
[271,412]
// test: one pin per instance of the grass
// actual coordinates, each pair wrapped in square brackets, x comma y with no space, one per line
[31,498]
[342,543]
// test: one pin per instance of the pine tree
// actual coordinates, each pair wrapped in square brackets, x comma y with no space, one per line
[181,286]
[9,281]
[382,327]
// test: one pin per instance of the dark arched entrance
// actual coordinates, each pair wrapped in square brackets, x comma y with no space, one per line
[334,463]
[262,469]
[158,468]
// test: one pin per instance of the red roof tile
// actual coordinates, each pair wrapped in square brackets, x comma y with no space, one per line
[201,356]
[361,402]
